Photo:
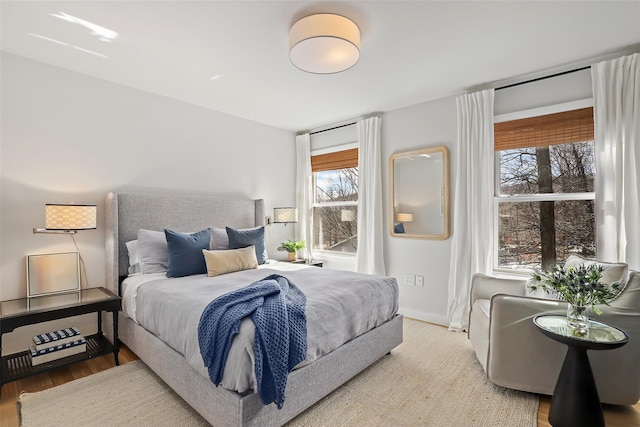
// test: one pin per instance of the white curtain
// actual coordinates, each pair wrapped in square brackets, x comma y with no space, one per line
[616,96]
[370,257]
[304,226]
[472,243]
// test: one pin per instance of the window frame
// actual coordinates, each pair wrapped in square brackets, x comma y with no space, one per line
[314,204]
[542,197]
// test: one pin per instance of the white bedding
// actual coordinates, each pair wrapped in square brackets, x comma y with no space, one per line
[340,306]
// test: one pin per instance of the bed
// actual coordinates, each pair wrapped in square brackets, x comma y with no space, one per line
[125,214]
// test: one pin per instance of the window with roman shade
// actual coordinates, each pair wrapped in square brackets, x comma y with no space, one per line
[335,160]
[544,192]
[335,200]
[551,129]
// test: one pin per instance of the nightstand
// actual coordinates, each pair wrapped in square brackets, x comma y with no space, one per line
[28,311]
[314,263]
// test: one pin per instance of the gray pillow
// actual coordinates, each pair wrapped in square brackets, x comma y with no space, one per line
[219,239]
[153,254]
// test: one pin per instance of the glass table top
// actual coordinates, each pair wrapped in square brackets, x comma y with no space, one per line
[31,305]
[597,333]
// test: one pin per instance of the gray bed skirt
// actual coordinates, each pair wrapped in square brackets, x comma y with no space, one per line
[305,386]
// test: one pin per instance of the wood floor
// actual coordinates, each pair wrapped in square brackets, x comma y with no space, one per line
[615,416]
[11,391]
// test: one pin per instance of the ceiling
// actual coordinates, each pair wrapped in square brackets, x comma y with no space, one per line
[411,51]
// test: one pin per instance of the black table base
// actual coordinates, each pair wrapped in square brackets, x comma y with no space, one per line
[568,407]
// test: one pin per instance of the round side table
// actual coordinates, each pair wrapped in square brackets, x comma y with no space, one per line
[575,400]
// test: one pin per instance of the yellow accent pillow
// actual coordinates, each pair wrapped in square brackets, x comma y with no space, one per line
[228,261]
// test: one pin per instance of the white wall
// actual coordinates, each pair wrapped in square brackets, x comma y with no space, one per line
[69,137]
[420,126]
[435,123]
[557,90]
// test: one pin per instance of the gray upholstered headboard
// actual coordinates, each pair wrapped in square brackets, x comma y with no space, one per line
[126,213]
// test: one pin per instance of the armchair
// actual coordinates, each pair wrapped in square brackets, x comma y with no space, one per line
[514,354]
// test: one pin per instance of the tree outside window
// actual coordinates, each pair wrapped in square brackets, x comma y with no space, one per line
[545,193]
[335,210]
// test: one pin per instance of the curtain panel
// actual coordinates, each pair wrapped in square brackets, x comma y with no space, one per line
[304,178]
[616,97]
[472,242]
[370,255]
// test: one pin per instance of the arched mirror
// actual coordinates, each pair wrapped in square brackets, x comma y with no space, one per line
[419,193]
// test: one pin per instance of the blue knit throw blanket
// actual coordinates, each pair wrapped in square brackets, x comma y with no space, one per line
[277,308]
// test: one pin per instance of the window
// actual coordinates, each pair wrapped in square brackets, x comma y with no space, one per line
[335,201]
[544,202]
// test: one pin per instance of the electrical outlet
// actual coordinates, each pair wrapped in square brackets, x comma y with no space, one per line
[419,280]
[410,279]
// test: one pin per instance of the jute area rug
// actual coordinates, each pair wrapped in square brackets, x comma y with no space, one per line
[432,379]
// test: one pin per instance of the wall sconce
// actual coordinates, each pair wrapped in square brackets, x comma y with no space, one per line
[68,218]
[285,215]
[347,215]
[404,217]
[401,219]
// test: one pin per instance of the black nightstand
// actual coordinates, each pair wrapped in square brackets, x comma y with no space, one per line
[28,311]
[314,263]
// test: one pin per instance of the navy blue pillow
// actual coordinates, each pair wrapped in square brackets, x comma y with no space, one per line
[239,239]
[185,252]
[398,228]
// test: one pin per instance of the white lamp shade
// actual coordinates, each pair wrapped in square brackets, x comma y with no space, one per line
[70,217]
[285,215]
[404,217]
[347,215]
[324,43]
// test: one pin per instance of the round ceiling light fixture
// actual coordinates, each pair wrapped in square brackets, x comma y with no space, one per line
[324,43]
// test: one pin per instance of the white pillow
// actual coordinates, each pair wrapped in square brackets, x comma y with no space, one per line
[613,271]
[132,251]
[153,253]
[539,292]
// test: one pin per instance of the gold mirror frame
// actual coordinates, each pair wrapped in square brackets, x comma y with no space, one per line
[420,208]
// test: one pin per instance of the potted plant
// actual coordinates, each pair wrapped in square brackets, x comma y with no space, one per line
[292,247]
[580,286]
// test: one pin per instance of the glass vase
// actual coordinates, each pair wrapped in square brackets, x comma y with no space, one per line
[577,319]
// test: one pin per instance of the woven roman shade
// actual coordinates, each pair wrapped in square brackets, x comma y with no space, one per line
[551,129]
[336,160]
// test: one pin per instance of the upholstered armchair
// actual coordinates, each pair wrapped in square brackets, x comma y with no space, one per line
[514,354]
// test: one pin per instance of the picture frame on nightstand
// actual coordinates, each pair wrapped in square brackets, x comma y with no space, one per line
[53,273]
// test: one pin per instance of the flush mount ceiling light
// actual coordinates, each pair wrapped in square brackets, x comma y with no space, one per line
[324,43]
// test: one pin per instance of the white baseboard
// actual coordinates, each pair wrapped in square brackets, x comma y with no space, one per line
[427,317]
